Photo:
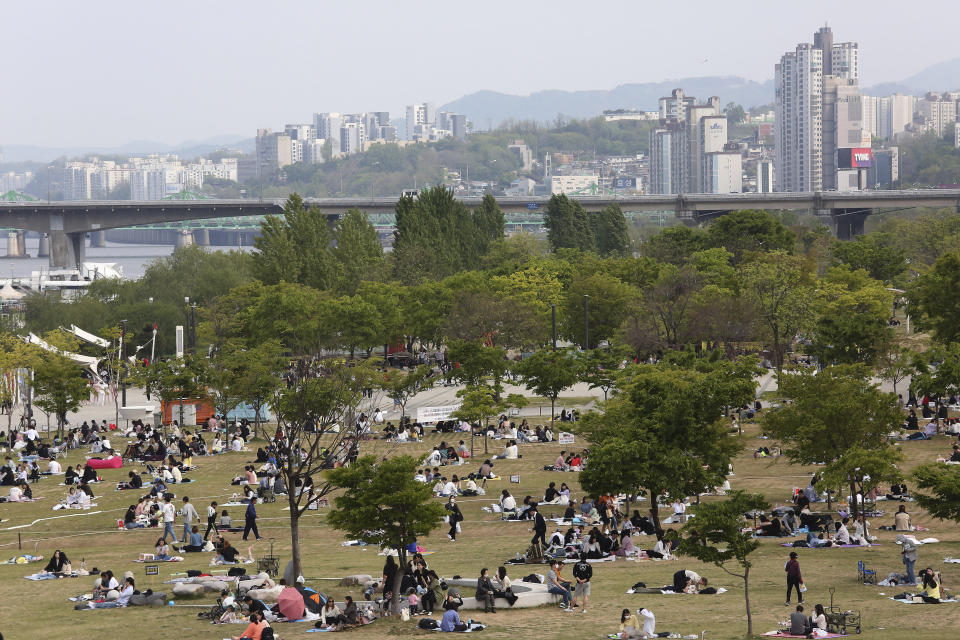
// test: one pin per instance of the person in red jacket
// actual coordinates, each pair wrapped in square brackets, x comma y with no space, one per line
[794,578]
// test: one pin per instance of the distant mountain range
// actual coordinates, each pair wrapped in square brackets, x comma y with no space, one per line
[187,149]
[488,109]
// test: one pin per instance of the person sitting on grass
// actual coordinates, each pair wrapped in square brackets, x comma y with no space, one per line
[195,541]
[331,616]
[799,624]
[254,630]
[929,587]
[59,563]
[162,550]
[686,581]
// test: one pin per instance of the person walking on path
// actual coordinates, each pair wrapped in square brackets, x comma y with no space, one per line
[539,526]
[583,572]
[169,515]
[455,518]
[794,578]
[211,521]
[908,552]
[190,517]
[250,521]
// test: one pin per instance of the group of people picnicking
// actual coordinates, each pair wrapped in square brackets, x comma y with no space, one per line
[422,588]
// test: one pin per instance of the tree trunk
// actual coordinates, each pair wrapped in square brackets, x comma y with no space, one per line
[855,508]
[777,355]
[746,598]
[294,529]
[181,412]
[397,581]
[655,512]
[553,400]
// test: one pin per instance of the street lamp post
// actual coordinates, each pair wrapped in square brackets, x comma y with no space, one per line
[123,384]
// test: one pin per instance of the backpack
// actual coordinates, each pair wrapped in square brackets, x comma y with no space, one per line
[266,633]
[236,571]
[531,578]
[639,585]
[427,624]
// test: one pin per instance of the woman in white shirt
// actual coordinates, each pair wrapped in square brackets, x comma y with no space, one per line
[508,504]
[661,550]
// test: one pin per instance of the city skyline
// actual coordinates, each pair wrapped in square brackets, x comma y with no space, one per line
[234,66]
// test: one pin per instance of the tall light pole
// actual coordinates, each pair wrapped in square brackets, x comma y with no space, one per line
[123,384]
[586,323]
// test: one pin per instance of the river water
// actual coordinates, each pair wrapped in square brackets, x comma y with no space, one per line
[133,258]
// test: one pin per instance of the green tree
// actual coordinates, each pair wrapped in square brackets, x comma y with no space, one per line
[438,236]
[15,355]
[832,415]
[423,311]
[489,221]
[477,404]
[254,375]
[310,413]
[382,504]
[174,380]
[609,305]
[735,113]
[929,304]
[716,535]
[547,373]
[297,315]
[940,495]
[474,363]
[664,432]
[937,370]
[852,325]
[749,230]
[402,386]
[609,228]
[567,224]
[882,261]
[895,363]
[356,323]
[58,386]
[674,245]
[777,285]
[358,253]
[602,369]
[295,248]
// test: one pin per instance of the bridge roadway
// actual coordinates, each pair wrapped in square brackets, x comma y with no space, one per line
[66,222]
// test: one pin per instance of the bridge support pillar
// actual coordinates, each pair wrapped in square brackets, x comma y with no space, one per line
[202,237]
[67,250]
[43,250]
[16,246]
[849,223]
[98,239]
[184,239]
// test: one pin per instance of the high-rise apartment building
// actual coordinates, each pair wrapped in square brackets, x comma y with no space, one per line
[352,137]
[455,123]
[274,152]
[327,126]
[687,133]
[816,111]
[937,111]
[419,115]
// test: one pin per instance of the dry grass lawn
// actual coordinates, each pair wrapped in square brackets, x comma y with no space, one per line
[41,609]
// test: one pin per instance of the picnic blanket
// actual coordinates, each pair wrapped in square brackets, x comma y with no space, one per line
[836,546]
[173,559]
[23,558]
[924,541]
[904,601]
[43,575]
[784,634]
[670,591]
[950,560]
[590,560]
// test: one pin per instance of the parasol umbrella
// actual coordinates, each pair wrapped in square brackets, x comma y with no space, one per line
[291,604]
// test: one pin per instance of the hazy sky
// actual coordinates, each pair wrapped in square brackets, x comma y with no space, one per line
[109,72]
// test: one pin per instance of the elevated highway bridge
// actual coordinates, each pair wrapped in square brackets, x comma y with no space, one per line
[65,223]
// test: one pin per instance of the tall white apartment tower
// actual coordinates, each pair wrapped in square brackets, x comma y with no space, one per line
[419,115]
[806,133]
